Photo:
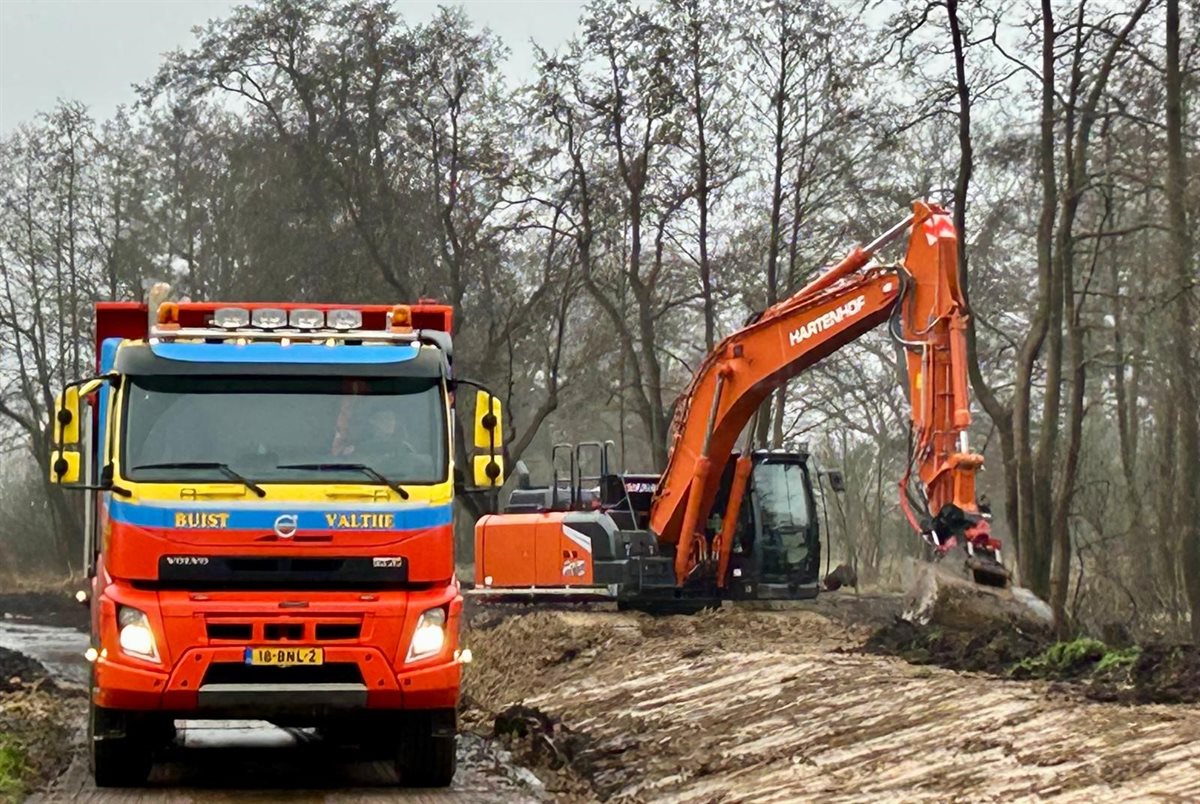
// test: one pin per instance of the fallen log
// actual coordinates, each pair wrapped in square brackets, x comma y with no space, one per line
[940,597]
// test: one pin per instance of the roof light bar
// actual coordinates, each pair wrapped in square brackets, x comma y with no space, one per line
[269,318]
[343,319]
[306,319]
[231,318]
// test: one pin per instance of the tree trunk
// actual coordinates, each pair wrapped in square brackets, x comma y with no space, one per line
[1185,361]
[779,108]
[702,176]
[1060,526]
[1034,552]
[1000,414]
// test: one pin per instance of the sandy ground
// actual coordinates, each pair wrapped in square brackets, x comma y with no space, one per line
[781,706]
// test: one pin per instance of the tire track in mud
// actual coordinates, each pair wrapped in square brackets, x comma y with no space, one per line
[676,712]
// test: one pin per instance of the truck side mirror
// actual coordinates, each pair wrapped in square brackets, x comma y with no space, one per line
[836,481]
[65,464]
[66,417]
[64,467]
[488,463]
[66,459]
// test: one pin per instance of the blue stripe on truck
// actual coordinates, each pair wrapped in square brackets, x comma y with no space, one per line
[294,353]
[244,517]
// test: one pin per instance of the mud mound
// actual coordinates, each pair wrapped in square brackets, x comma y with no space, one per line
[19,672]
[1168,674]
[1165,674]
[516,657]
[994,650]
[542,742]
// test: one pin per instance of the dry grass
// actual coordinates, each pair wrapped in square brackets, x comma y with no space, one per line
[37,731]
[11,583]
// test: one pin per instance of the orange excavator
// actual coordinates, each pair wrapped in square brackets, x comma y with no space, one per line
[643,539]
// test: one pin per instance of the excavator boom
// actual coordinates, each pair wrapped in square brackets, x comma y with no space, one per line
[922,299]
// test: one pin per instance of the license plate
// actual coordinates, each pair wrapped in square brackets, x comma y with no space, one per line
[282,657]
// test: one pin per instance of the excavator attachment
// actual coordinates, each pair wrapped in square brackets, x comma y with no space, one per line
[988,572]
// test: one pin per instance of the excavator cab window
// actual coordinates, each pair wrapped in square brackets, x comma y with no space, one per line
[784,529]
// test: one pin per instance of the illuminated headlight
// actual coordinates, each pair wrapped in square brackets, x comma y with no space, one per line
[306,319]
[344,319]
[269,318]
[429,637]
[134,634]
[231,318]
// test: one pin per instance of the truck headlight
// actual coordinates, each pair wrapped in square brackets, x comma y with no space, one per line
[134,634]
[429,636]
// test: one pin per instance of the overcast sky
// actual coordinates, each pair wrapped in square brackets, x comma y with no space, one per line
[94,50]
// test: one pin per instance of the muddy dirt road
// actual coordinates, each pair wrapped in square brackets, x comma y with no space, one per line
[736,705]
[229,762]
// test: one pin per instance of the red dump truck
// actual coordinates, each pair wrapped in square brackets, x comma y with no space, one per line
[268,524]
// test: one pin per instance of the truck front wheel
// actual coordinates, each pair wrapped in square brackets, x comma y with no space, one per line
[427,753]
[119,748]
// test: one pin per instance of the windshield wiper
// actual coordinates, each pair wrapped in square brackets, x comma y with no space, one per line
[349,467]
[223,468]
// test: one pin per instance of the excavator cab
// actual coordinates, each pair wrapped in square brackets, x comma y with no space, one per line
[777,543]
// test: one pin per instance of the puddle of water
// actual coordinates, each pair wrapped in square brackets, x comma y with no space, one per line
[60,650]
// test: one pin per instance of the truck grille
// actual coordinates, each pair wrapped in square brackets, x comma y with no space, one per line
[330,632]
[279,632]
[333,630]
[239,632]
[290,573]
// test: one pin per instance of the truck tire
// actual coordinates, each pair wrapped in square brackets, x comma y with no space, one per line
[427,752]
[119,754]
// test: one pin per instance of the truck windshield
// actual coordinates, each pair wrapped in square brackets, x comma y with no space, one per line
[782,497]
[285,429]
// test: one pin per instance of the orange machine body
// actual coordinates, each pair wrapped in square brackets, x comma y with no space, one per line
[531,550]
[921,300]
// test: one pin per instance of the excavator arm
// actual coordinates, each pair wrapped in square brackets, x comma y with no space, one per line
[923,304]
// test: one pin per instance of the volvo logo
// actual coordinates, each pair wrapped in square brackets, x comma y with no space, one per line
[187,561]
[286,525]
